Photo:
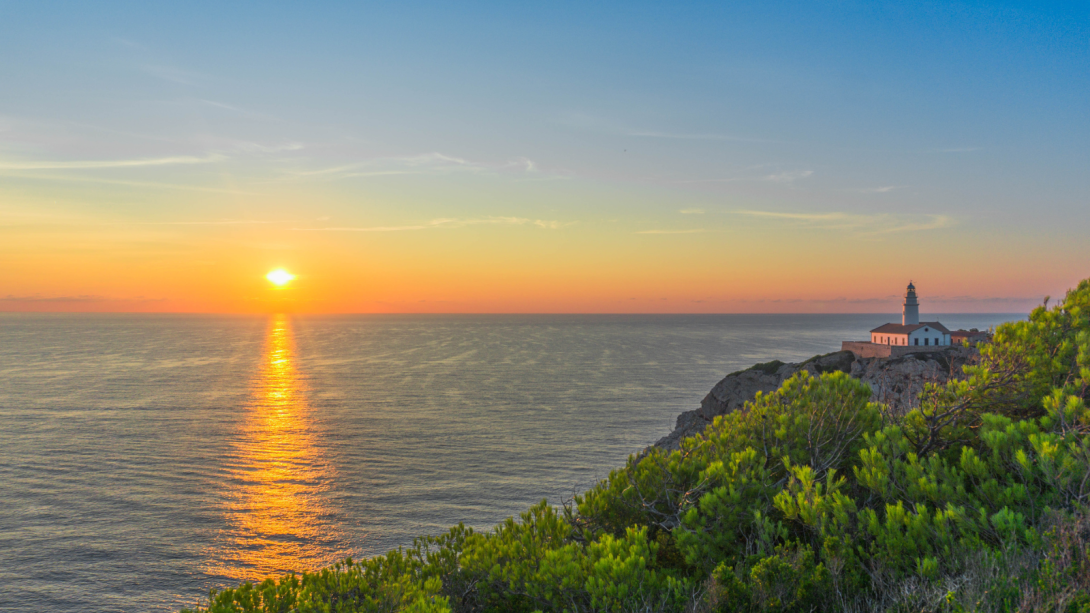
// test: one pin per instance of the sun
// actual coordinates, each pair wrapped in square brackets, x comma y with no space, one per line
[280,277]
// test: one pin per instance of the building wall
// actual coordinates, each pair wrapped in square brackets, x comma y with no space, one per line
[936,337]
[910,314]
[863,349]
[889,339]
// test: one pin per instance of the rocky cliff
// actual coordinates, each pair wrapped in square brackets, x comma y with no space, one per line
[896,382]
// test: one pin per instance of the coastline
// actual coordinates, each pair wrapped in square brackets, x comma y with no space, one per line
[895,381]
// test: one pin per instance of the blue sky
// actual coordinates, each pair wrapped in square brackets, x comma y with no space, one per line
[957,123]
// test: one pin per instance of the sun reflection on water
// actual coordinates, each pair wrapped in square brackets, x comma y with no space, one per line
[277,477]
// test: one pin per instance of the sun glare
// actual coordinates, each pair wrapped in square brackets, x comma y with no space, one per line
[280,276]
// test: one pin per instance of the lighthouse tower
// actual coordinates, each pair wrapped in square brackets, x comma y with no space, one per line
[911,313]
[895,340]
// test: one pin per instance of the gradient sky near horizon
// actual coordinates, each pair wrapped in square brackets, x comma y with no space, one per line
[542,157]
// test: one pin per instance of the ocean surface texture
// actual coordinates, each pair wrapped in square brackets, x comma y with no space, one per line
[145,459]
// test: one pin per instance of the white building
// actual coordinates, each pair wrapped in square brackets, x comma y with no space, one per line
[911,331]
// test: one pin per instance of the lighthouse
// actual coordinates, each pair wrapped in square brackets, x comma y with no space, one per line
[911,313]
[895,340]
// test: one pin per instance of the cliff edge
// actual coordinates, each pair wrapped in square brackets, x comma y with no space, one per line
[896,382]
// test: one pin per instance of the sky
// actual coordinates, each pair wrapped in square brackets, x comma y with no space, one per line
[605,157]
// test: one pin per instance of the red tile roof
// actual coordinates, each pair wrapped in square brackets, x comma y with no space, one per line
[910,328]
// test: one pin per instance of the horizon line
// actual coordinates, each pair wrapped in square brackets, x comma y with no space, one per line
[449,313]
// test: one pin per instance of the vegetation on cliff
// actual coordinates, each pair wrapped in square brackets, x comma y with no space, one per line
[811,499]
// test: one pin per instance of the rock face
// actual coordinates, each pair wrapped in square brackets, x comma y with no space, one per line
[896,382]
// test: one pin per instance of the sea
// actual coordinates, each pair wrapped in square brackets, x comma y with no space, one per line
[145,459]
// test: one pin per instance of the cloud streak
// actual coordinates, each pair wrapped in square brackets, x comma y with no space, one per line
[446,223]
[690,231]
[862,225]
[174,75]
[96,164]
[695,136]
[796,216]
[599,124]
[38,298]
[789,176]
[222,222]
[934,222]
[878,190]
[426,163]
[786,177]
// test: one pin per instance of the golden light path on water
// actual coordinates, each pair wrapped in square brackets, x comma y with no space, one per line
[277,476]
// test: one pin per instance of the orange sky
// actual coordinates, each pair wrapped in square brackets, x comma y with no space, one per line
[542,158]
[718,261]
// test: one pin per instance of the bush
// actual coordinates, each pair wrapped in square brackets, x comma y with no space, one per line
[812,498]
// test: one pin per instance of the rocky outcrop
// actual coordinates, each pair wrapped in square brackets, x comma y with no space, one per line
[896,382]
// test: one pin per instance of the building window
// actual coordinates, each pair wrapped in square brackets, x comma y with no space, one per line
[927,341]
[917,341]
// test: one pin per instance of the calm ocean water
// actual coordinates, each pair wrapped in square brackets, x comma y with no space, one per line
[145,459]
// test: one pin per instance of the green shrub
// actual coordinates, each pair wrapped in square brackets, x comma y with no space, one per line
[812,498]
[768,368]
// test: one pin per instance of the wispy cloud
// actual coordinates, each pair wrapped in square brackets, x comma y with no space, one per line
[797,216]
[148,184]
[173,75]
[692,231]
[38,298]
[220,105]
[691,211]
[346,171]
[932,222]
[694,136]
[959,150]
[553,225]
[523,163]
[215,222]
[206,106]
[986,299]
[878,190]
[862,225]
[446,223]
[426,163]
[94,164]
[788,176]
[872,304]
[612,126]
[250,147]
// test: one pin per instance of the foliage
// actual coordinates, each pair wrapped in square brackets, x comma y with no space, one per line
[812,498]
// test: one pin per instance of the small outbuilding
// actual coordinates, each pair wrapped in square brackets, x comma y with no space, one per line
[969,337]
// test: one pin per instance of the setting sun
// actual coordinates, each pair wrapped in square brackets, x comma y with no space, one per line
[280,276]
